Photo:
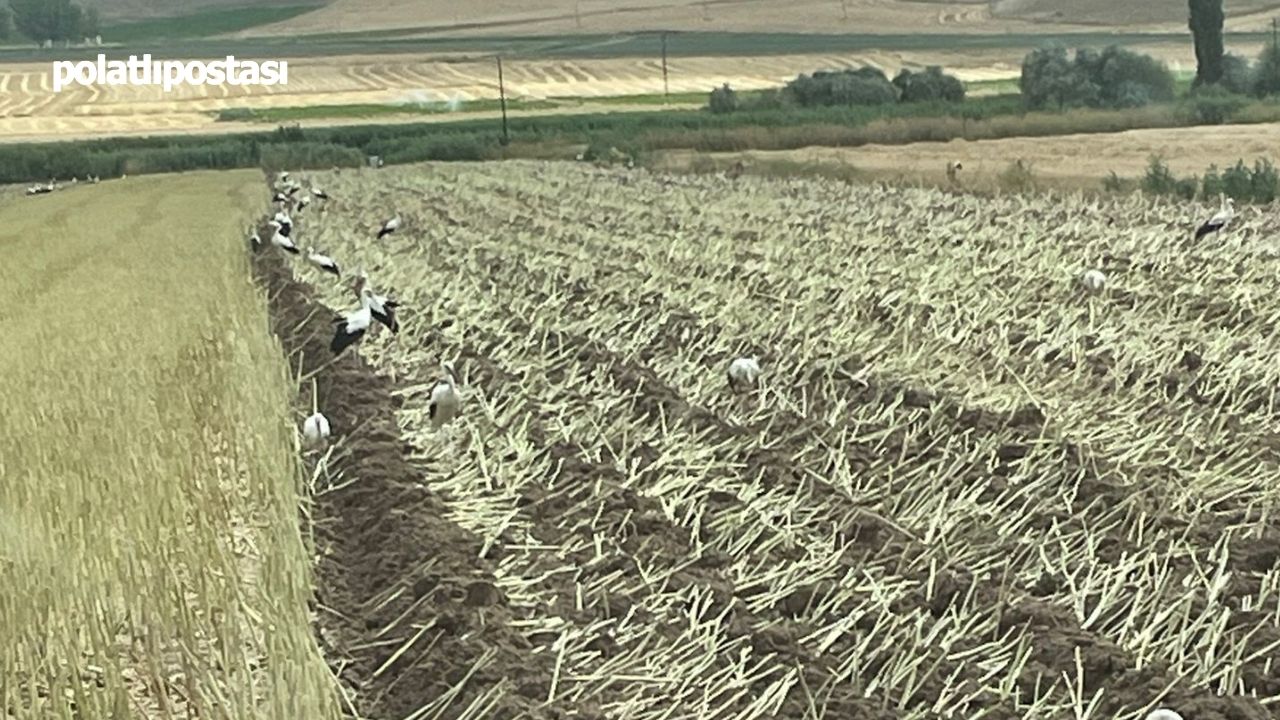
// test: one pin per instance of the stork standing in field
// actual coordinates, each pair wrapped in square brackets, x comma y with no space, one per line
[255,241]
[389,227]
[285,222]
[1219,220]
[282,241]
[382,307]
[743,371]
[323,262]
[1163,714]
[953,167]
[1094,281]
[319,194]
[444,404]
[315,429]
[350,329]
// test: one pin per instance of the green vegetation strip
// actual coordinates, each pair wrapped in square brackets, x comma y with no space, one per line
[564,135]
[313,112]
[206,23]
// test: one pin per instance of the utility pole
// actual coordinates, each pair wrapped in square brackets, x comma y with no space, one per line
[502,100]
[666,90]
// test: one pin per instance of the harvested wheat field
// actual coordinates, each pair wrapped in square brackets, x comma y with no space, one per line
[543,17]
[1079,161]
[962,488]
[30,109]
[150,554]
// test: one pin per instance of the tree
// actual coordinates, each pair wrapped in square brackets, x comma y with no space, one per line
[1266,76]
[1206,30]
[1113,78]
[90,24]
[723,100]
[931,85]
[864,86]
[42,20]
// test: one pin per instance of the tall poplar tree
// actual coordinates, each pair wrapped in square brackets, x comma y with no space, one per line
[1206,31]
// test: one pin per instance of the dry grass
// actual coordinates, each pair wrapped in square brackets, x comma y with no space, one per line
[149,546]
[1061,161]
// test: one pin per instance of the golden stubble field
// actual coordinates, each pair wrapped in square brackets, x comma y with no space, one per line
[553,17]
[29,109]
[151,563]
[1060,161]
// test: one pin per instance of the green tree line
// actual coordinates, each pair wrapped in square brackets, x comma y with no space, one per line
[52,20]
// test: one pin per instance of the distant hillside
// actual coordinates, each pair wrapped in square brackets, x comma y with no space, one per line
[553,17]
[1130,14]
[567,17]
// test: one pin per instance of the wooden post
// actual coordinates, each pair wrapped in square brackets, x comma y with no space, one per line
[502,100]
[666,90]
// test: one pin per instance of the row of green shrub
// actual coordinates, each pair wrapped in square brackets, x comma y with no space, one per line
[1257,184]
[864,86]
[463,140]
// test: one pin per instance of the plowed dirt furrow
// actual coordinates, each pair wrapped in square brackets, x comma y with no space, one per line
[390,570]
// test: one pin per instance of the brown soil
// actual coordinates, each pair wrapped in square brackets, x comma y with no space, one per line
[384,536]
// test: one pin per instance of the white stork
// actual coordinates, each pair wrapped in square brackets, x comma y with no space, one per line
[445,402]
[351,328]
[255,241]
[1163,714]
[1093,280]
[743,370]
[315,429]
[282,241]
[389,227]
[382,307]
[320,194]
[324,262]
[285,222]
[1219,220]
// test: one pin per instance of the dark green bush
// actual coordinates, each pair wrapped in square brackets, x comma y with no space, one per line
[863,86]
[1211,185]
[932,85]
[1237,181]
[723,100]
[1264,182]
[1112,78]
[1237,74]
[1266,75]
[1214,105]
[1158,180]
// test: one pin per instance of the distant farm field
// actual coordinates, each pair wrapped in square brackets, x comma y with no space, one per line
[30,110]
[964,483]
[1076,161]
[809,16]
[151,559]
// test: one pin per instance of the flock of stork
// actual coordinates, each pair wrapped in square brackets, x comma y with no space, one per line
[445,402]
[349,329]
